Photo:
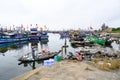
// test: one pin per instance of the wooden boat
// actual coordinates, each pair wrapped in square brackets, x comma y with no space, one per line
[81,43]
[38,56]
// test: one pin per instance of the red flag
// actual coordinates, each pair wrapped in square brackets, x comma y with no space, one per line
[41,28]
[37,25]
[27,26]
[30,24]
[45,27]
[91,27]
[21,25]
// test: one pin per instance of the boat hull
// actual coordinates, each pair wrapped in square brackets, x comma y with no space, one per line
[12,40]
[37,58]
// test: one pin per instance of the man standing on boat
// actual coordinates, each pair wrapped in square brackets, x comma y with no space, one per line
[33,53]
[79,57]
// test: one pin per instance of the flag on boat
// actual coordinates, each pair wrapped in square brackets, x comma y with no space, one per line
[41,29]
[30,24]
[45,27]
[27,26]
[21,25]
[36,25]
[91,27]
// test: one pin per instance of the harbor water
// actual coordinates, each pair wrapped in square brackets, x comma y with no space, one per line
[10,66]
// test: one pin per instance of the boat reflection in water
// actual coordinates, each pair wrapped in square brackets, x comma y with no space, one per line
[8,46]
[43,44]
[34,45]
[31,64]
[34,50]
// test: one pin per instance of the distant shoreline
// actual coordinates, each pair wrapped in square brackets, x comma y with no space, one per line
[116,35]
[113,34]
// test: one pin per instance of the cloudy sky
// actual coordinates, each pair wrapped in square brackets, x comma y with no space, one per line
[60,14]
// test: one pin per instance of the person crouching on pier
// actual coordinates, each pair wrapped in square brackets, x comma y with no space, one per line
[79,57]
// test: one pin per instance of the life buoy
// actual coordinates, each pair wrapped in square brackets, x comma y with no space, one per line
[43,51]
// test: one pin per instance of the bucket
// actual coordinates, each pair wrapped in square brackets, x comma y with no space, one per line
[59,58]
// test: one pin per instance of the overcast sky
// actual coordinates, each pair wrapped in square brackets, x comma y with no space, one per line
[61,14]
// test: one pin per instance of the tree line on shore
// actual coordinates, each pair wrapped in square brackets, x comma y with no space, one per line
[106,28]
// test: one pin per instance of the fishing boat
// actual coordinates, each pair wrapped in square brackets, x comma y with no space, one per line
[81,43]
[78,38]
[9,46]
[33,34]
[38,56]
[43,36]
[63,35]
[12,37]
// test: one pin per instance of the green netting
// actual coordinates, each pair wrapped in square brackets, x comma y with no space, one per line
[95,40]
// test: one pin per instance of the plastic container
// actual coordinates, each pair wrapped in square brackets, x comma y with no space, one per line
[49,62]
[45,62]
[59,58]
[55,58]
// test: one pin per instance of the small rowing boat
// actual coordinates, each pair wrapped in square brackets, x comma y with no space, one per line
[38,56]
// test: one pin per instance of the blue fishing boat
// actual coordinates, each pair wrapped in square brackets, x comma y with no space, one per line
[43,37]
[11,44]
[15,45]
[33,35]
[64,35]
[12,37]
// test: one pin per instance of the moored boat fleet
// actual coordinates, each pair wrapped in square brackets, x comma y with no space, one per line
[77,38]
[87,38]
[17,36]
[81,38]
